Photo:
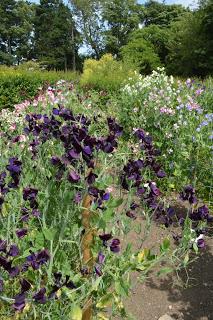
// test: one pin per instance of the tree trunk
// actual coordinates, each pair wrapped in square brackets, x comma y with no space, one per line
[65,62]
[73,52]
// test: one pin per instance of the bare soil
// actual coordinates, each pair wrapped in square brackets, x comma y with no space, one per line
[186,297]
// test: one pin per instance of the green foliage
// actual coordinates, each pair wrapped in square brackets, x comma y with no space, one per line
[122,17]
[190,43]
[162,14]
[140,54]
[178,115]
[16,28]
[156,36]
[56,42]
[17,85]
[106,73]
[89,22]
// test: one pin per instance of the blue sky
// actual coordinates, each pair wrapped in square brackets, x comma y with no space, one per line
[183,2]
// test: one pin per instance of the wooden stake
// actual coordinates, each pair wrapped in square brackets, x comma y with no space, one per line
[86,245]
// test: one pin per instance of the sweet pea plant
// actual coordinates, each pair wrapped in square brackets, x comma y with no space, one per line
[71,188]
[175,113]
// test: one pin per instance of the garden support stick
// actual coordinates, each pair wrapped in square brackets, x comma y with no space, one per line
[87,241]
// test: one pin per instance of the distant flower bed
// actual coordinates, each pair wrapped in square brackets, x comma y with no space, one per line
[19,85]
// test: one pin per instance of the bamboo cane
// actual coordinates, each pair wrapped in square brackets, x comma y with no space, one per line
[87,241]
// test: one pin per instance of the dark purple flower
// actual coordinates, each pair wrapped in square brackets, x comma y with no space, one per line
[14,166]
[21,232]
[55,111]
[91,178]
[3,245]
[77,197]
[189,195]
[170,212]
[133,206]
[72,154]
[87,150]
[93,191]
[25,285]
[106,196]
[154,189]
[114,127]
[25,214]
[1,285]
[36,213]
[181,221]
[73,176]
[13,271]
[210,218]
[201,243]
[101,258]
[131,215]
[140,134]
[105,237]
[42,257]
[4,263]
[161,174]
[56,161]
[69,283]
[115,245]
[40,296]
[140,191]
[30,194]
[98,271]
[19,303]
[1,200]
[14,251]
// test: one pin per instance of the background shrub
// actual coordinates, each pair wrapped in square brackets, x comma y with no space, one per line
[19,84]
[105,73]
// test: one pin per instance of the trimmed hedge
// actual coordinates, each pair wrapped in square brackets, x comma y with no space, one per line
[19,85]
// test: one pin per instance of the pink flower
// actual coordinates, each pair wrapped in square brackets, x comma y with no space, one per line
[109,189]
[12,127]
[22,138]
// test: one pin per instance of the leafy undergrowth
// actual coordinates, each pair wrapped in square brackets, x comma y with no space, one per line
[66,148]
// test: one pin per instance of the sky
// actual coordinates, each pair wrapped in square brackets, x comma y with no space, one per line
[186,3]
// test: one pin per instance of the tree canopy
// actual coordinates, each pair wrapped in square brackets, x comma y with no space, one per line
[52,32]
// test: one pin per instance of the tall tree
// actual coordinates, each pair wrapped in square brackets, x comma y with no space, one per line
[88,17]
[16,28]
[23,30]
[56,37]
[121,18]
[156,36]
[162,14]
[190,43]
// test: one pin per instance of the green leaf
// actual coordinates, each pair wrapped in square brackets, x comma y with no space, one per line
[39,240]
[49,234]
[105,301]
[76,313]
[115,203]
[186,259]
[107,215]
[121,287]
[195,247]
[164,271]
[165,245]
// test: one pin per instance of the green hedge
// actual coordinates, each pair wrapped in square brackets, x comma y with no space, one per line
[19,85]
